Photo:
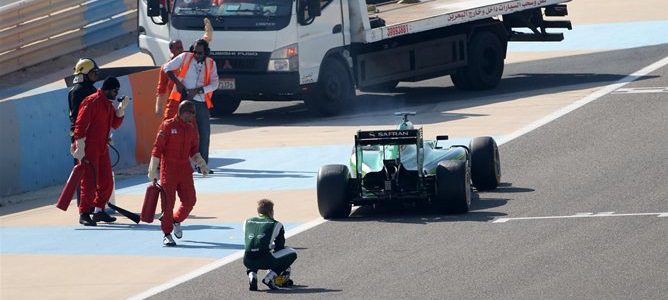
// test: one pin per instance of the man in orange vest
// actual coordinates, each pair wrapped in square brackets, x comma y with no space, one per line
[196,80]
[164,105]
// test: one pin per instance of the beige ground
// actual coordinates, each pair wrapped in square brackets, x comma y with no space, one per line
[77,277]
[491,116]
[605,11]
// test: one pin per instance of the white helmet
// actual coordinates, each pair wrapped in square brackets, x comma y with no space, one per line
[85,65]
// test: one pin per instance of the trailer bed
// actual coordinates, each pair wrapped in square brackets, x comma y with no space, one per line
[401,19]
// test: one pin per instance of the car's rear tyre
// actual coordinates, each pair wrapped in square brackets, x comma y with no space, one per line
[453,188]
[333,90]
[224,105]
[485,163]
[332,190]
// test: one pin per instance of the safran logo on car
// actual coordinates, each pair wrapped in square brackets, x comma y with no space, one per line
[389,133]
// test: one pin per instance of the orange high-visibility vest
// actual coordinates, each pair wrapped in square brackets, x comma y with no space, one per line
[208,65]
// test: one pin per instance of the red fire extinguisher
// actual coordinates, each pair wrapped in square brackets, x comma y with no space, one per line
[151,202]
[70,186]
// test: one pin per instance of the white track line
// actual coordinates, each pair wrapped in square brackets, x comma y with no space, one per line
[598,215]
[299,229]
[218,263]
[591,97]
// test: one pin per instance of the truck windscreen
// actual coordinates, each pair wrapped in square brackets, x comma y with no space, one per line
[232,14]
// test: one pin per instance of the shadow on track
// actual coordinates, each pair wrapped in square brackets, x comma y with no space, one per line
[155,226]
[301,289]
[524,79]
[364,106]
[425,214]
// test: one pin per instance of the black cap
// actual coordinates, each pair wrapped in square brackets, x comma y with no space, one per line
[110,83]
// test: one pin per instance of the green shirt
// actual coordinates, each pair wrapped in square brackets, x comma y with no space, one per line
[262,234]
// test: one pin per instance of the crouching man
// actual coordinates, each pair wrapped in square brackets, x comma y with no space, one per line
[265,248]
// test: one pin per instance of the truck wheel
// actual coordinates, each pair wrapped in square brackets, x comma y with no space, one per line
[460,81]
[333,191]
[333,90]
[453,188]
[485,63]
[224,105]
[485,163]
[384,87]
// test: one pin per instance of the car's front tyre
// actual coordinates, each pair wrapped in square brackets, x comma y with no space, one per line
[485,163]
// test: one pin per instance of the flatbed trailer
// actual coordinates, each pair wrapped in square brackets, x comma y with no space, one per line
[402,19]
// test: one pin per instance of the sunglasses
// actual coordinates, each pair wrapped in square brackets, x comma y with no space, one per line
[199,52]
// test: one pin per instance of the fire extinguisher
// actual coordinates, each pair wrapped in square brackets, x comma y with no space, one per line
[151,201]
[70,186]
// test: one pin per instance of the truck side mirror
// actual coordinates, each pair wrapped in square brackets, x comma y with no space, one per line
[314,9]
[307,10]
[153,8]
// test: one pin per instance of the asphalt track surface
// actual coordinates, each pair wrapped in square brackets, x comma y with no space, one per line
[585,171]
[528,78]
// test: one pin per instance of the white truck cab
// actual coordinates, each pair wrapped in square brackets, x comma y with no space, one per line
[320,51]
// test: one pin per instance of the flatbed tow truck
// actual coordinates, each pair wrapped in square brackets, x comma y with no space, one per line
[321,51]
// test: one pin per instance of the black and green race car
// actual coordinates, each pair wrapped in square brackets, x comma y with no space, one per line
[390,166]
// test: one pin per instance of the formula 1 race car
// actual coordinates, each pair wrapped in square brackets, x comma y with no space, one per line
[390,166]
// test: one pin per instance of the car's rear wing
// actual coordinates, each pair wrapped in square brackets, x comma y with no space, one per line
[388,137]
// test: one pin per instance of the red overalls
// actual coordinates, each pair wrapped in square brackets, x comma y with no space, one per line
[166,85]
[175,143]
[96,117]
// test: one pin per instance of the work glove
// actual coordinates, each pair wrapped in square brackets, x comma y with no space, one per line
[78,148]
[208,30]
[153,169]
[160,102]
[120,110]
[201,164]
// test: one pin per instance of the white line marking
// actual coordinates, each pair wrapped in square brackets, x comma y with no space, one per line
[218,263]
[591,97]
[598,215]
[641,90]
[575,105]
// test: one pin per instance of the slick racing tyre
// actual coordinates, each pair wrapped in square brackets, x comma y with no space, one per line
[485,163]
[453,188]
[333,192]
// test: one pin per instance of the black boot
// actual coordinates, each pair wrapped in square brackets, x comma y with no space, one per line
[103,217]
[252,281]
[85,220]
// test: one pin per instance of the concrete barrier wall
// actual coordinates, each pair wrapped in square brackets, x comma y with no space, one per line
[34,130]
[34,31]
